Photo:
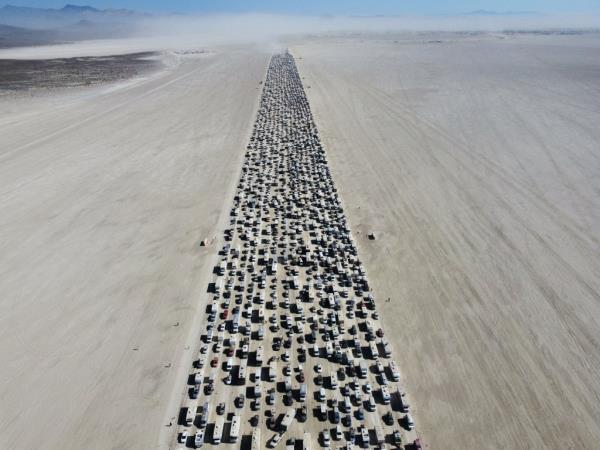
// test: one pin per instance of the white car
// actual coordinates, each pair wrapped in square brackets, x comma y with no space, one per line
[275,440]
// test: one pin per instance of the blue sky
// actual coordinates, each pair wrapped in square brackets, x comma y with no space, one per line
[337,7]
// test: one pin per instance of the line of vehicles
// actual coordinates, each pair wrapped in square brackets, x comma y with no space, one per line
[293,353]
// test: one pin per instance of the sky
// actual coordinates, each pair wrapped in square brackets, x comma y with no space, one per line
[332,7]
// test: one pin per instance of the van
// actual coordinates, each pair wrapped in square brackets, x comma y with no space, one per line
[321,395]
[333,380]
[302,393]
[362,370]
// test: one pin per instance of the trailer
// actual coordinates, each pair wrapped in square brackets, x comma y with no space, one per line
[255,441]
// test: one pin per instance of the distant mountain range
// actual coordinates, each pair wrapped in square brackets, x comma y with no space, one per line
[21,25]
[48,18]
[485,12]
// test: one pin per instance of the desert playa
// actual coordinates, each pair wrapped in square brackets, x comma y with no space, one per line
[105,196]
[471,158]
[475,162]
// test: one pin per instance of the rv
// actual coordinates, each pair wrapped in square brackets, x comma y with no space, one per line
[385,395]
[259,354]
[287,419]
[218,430]
[234,431]
[306,441]
[394,371]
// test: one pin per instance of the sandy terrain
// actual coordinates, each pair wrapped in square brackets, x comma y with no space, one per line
[105,195]
[476,164]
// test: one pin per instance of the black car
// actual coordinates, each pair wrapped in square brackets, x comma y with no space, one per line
[302,414]
[360,414]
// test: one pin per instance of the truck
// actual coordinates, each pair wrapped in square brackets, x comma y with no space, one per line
[218,430]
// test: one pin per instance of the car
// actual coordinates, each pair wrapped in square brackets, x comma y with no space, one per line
[318,368]
[325,438]
[360,414]
[214,362]
[347,420]
[388,418]
[275,439]
[302,414]
[319,380]
[367,388]
[352,435]
[288,399]
[270,397]
[183,437]
[240,400]
[397,437]
[337,433]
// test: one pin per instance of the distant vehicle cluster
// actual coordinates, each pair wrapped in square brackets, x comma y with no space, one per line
[293,352]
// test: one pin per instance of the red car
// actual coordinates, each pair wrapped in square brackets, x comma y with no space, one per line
[224,314]
[214,362]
